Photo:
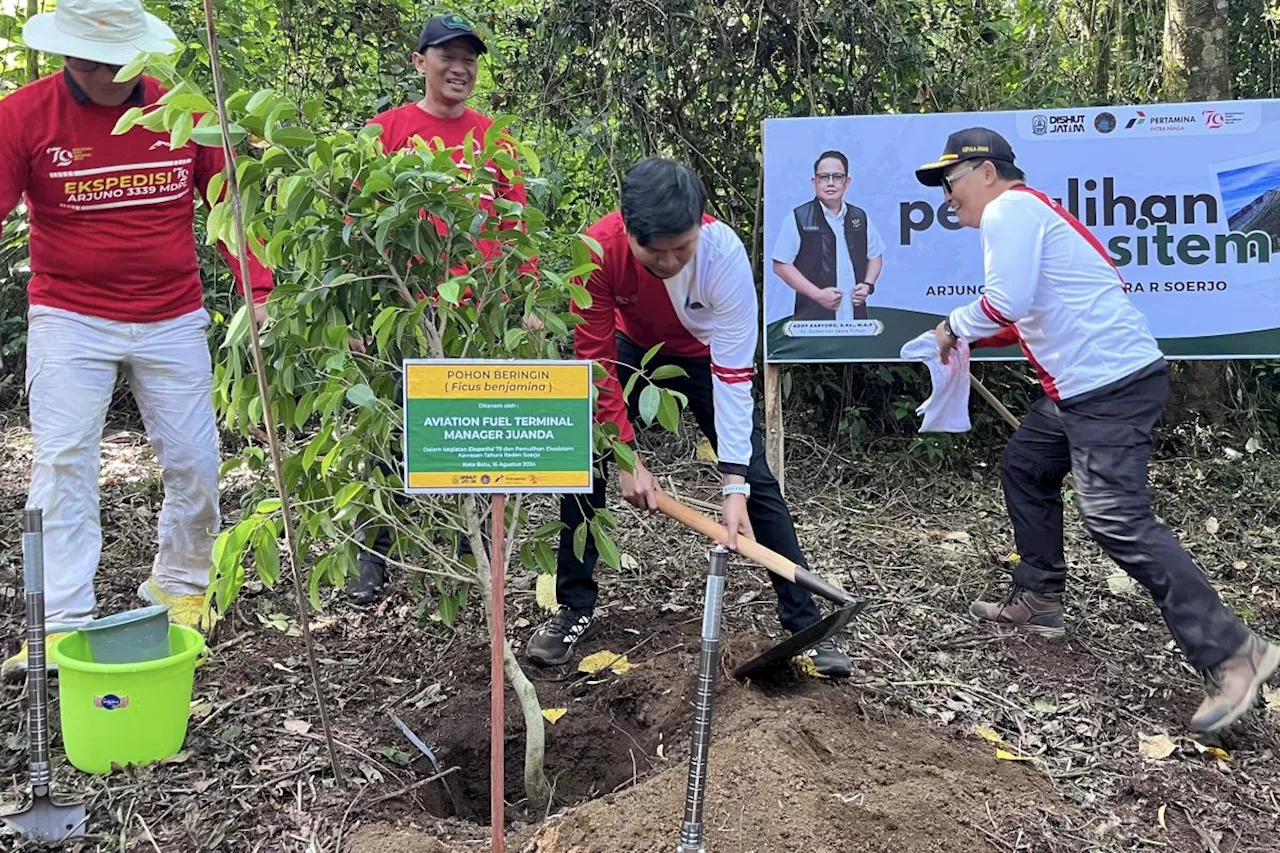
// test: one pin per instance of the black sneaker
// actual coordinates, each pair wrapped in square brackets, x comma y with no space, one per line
[553,643]
[829,659]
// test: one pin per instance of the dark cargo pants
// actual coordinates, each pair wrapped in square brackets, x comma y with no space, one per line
[1104,438]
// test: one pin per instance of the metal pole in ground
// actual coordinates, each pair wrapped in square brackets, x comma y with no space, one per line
[708,663]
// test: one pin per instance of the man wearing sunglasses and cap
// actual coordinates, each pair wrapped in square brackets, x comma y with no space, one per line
[447,56]
[1051,286]
[115,285]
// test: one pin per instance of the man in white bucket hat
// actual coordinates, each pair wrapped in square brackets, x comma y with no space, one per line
[115,285]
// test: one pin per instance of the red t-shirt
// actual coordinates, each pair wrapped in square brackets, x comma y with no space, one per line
[112,217]
[401,125]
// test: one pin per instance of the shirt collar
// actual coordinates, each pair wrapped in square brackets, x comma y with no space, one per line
[839,214]
[136,97]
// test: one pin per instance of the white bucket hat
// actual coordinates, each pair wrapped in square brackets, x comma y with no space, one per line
[109,31]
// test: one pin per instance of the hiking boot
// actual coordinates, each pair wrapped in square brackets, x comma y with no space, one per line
[185,610]
[15,668]
[1037,612]
[370,582]
[829,659]
[1231,688]
[553,643]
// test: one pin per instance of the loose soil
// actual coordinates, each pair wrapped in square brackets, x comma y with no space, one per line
[888,761]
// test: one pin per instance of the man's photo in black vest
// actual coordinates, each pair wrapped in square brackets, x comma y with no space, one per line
[828,251]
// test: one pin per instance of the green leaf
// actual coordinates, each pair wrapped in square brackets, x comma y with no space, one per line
[266,555]
[260,104]
[669,413]
[580,295]
[291,137]
[379,180]
[649,401]
[512,339]
[451,291]
[268,506]
[667,371]
[133,69]
[608,549]
[211,137]
[238,328]
[580,541]
[127,121]
[191,102]
[653,350]
[361,395]
[311,109]
[275,158]
[348,494]
[626,456]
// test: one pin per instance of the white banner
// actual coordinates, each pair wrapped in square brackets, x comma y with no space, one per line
[1185,197]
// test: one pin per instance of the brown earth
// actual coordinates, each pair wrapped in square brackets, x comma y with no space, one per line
[890,758]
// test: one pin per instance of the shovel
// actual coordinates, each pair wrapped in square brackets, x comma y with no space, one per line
[783,652]
[44,820]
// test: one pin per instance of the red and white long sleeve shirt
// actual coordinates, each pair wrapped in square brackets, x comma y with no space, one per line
[707,310]
[1050,283]
[112,217]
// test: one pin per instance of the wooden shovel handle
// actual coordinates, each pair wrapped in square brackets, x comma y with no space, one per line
[754,551]
[710,528]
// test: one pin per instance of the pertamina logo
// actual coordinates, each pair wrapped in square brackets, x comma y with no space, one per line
[1139,119]
[1172,124]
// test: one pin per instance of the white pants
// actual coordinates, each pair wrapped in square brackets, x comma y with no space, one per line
[72,360]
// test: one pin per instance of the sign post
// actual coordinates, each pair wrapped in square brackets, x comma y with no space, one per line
[498,428]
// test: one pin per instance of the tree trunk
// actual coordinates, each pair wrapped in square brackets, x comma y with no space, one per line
[1197,67]
[33,58]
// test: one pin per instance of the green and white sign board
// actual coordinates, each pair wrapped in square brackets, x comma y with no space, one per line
[489,426]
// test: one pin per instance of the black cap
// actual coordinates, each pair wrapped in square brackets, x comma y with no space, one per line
[974,143]
[444,28]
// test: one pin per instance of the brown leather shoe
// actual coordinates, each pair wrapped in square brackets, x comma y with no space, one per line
[1037,612]
[1231,688]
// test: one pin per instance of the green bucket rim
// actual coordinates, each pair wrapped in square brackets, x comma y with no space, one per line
[76,665]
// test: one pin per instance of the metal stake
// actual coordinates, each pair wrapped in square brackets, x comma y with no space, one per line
[44,820]
[708,663]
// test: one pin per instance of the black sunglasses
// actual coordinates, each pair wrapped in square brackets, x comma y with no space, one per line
[88,66]
[948,181]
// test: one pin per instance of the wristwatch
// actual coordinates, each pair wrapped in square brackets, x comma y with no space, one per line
[946,327]
[870,284]
[743,489]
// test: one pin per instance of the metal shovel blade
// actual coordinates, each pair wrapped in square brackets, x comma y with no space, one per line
[781,654]
[48,822]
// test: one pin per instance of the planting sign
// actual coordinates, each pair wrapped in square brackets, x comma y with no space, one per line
[1185,199]
[497,426]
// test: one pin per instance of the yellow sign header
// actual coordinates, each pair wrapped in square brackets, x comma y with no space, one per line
[514,380]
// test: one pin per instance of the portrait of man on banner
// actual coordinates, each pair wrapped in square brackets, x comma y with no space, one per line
[828,251]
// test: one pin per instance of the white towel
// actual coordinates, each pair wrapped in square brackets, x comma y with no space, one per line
[947,409]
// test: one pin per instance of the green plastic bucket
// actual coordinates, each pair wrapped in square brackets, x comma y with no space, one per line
[130,713]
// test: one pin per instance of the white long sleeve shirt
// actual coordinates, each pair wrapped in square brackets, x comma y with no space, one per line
[706,311]
[1051,280]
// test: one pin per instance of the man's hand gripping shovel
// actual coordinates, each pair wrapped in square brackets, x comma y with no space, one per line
[781,654]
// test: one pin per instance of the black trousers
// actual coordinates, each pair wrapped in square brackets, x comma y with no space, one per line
[770,519]
[1104,438]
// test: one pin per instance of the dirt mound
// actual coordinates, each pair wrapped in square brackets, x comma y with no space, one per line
[380,838]
[805,774]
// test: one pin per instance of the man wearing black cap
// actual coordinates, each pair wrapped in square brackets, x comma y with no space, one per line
[1051,285]
[447,56]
